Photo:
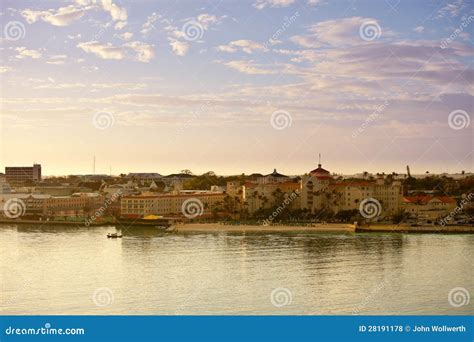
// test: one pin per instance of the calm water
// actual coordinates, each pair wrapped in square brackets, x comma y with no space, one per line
[55,270]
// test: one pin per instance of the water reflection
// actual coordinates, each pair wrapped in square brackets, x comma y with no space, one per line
[57,269]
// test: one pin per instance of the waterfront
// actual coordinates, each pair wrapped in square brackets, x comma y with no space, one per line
[57,270]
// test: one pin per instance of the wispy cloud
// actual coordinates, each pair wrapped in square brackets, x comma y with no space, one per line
[247,46]
[135,50]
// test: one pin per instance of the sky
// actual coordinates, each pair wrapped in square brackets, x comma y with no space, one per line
[237,86]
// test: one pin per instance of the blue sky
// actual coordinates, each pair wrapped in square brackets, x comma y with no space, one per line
[237,86]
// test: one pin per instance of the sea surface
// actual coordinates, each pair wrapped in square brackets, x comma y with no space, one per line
[77,270]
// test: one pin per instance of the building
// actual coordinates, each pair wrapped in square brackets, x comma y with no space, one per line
[314,188]
[274,177]
[46,206]
[175,181]
[170,204]
[268,195]
[235,189]
[21,174]
[428,207]
[348,195]
[321,191]
[4,185]
[144,177]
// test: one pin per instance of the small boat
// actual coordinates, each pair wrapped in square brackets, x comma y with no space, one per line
[113,235]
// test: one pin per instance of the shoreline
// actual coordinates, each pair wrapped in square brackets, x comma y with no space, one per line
[217,227]
[247,228]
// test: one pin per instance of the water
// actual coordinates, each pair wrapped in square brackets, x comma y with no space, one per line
[70,270]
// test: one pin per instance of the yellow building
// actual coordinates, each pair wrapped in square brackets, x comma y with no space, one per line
[428,207]
[181,204]
[264,196]
[348,195]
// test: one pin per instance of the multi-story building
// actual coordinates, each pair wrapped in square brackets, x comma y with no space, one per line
[20,174]
[428,207]
[348,195]
[144,177]
[273,177]
[264,196]
[43,205]
[4,185]
[235,189]
[170,204]
[321,191]
[314,187]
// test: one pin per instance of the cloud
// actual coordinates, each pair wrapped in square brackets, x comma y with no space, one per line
[201,23]
[249,67]
[452,9]
[206,20]
[247,46]
[117,13]
[104,51]
[419,29]
[57,60]
[179,48]
[144,52]
[148,25]
[126,36]
[261,4]
[337,32]
[120,25]
[23,52]
[65,16]
[136,50]
[4,69]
